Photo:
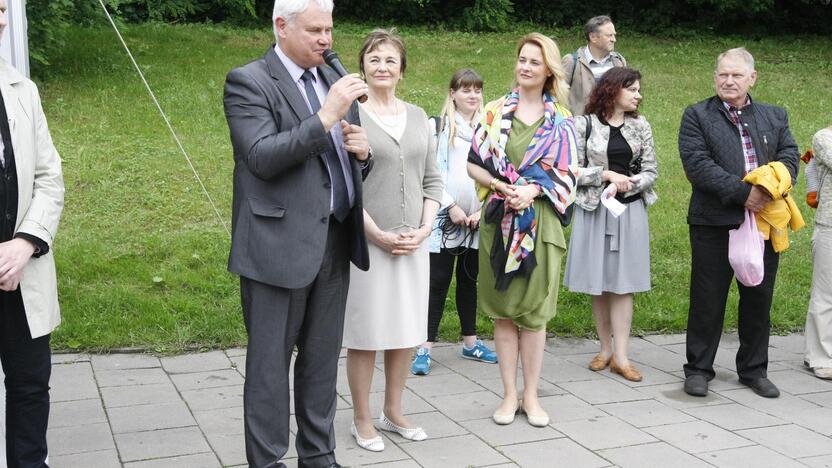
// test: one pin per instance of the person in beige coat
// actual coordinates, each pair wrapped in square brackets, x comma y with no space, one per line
[585,66]
[31,200]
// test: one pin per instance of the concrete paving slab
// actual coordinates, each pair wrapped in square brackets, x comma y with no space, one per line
[72,382]
[69,358]
[150,417]
[221,421]
[545,454]
[207,379]
[651,376]
[476,405]
[790,440]
[544,388]
[238,363]
[823,399]
[744,457]
[214,398]
[134,395]
[567,346]
[451,452]
[559,370]
[101,459]
[196,362]
[663,340]
[76,413]
[823,461]
[136,446]
[733,416]
[123,361]
[794,343]
[564,408]
[231,448]
[698,437]
[780,407]
[517,432]
[234,352]
[79,439]
[442,384]
[662,358]
[125,377]
[656,455]
[200,460]
[603,432]
[799,383]
[435,424]
[645,413]
[598,392]
[674,395]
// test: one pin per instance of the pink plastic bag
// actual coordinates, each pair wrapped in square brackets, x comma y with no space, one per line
[745,251]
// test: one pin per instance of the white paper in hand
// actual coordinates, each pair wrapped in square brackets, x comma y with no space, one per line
[608,199]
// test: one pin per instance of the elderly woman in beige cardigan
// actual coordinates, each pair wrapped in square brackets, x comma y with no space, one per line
[387,306]
[819,318]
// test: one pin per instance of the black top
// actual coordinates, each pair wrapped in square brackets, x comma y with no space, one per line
[619,156]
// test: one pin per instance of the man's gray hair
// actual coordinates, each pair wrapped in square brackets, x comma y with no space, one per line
[595,23]
[740,53]
[289,9]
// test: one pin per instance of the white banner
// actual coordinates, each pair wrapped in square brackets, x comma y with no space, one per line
[14,46]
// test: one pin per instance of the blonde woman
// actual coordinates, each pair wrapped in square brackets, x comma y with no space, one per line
[524,152]
[455,239]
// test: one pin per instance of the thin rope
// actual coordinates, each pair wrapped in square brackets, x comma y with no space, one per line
[167,121]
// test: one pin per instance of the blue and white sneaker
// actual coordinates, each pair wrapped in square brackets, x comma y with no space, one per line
[480,352]
[421,363]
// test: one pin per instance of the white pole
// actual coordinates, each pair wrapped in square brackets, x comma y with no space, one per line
[14,46]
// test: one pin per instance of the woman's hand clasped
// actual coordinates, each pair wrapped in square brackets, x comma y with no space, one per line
[403,243]
[521,197]
[623,183]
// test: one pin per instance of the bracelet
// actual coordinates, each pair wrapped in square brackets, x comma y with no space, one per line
[493,184]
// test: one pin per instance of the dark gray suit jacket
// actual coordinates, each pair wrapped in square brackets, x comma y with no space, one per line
[281,185]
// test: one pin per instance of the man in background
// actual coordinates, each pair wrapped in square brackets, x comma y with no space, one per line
[585,66]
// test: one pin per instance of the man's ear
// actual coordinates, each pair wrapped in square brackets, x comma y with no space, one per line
[280,24]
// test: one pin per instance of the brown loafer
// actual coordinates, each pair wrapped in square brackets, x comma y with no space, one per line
[630,373]
[598,363]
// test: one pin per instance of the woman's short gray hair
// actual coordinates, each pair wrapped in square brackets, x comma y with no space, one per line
[288,9]
[740,53]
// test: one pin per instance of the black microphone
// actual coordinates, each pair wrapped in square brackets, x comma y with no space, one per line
[331,59]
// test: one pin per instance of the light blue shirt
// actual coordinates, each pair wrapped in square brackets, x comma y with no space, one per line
[296,71]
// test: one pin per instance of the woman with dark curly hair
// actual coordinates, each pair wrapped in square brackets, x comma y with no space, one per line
[609,255]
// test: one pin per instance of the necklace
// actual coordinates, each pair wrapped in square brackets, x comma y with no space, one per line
[396,121]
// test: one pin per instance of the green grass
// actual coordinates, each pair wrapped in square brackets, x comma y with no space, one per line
[142,257]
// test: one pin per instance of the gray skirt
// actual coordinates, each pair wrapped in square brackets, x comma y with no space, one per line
[609,254]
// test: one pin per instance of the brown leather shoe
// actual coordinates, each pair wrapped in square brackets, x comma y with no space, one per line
[598,363]
[630,373]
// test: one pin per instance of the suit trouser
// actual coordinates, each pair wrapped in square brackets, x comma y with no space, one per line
[710,280]
[27,366]
[277,320]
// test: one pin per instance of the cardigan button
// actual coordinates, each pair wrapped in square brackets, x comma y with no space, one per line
[323,220]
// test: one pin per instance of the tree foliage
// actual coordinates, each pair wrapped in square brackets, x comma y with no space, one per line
[48,19]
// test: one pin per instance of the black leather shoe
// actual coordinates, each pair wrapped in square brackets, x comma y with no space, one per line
[696,385]
[334,465]
[762,386]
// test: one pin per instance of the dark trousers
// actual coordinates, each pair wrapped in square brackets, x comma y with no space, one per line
[710,279]
[27,365]
[441,272]
[278,320]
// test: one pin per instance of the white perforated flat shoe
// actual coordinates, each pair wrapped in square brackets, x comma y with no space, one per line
[376,444]
[415,433]
[506,418]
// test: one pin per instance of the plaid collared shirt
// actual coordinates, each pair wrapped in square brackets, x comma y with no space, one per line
[748,152]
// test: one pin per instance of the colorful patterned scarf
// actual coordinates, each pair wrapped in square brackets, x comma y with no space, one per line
[550,162]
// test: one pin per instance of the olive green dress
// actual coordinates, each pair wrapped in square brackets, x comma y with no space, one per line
[530,302]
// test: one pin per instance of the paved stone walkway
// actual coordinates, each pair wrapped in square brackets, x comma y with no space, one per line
[136,410]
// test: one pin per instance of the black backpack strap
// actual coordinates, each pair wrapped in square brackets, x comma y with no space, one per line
[587,133]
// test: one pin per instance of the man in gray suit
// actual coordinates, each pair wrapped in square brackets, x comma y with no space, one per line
[297,221]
